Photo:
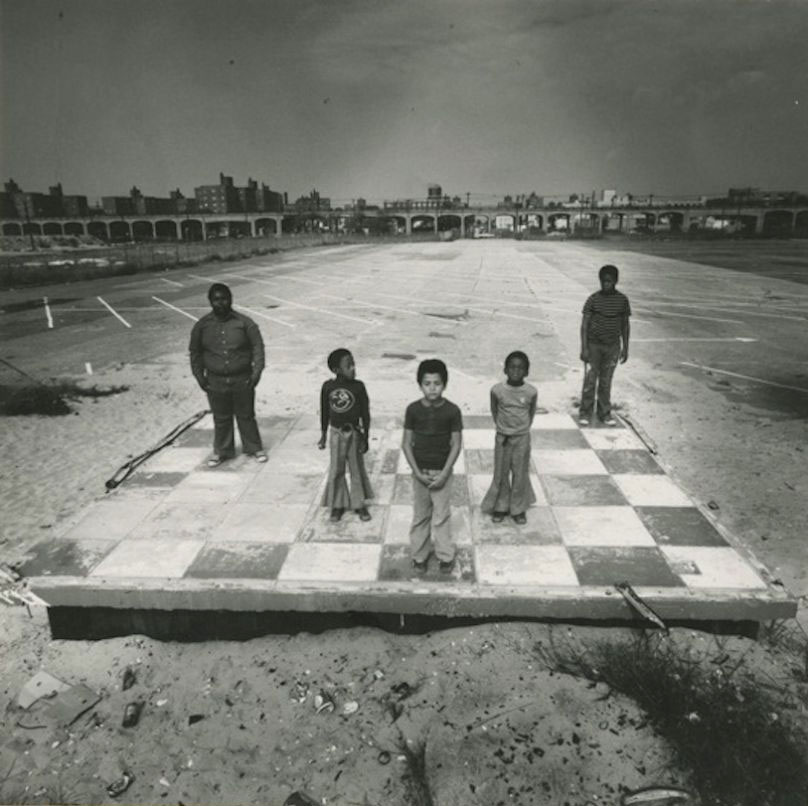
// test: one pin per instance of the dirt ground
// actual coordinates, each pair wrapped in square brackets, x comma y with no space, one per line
[471,713]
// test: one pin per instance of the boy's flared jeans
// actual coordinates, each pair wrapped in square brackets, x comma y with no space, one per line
[431,520]
[599,372]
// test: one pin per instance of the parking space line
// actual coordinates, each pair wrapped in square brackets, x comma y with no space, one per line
[175,308]
[744,377]
[323,310]
[113,311]
[690,316]
[266,316]
[742,339]
[384,307]
[48,312]
[171,282]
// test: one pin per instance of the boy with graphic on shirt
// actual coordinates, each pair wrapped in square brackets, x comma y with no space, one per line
[605,333]
[433,429]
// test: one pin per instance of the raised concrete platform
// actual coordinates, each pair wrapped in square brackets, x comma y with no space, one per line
[251,538]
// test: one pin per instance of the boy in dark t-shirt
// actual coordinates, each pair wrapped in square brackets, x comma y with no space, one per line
[344,406]
[432,438]
[604,341]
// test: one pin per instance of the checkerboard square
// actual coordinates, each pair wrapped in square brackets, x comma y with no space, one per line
[113,518]
[601,526]
[301,440]
[557,438]
[718,567]
[383,486]
[389,463]
[281,423]
[261,523]
[238,561]
[196,438]
[479,438]
[298,461]
[205,486]
[180,520]
[568,463]
[396,564]
[547,566]
[577,491]
[331,562]
[65,557]
[177,460]
[399,519]
[610,439]
[640,566]
[480,482]
[541,529]
[349,529]
[144,479]
[459,496]
[680,526]
[282,488]
[553,421]
[651,491]
[157,558]
[479,460]
[629,461]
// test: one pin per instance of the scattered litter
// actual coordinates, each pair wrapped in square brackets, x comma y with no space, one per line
[68,705]
[131,714]
[712,504]
[161,703]
[165,782]
[194,718]
[42,684]
[323,702]
[630,595]
[300,799]
[129,678]
[350,707]
[117,788]
[301,691]
[656,796]
[378,674]
[383,758]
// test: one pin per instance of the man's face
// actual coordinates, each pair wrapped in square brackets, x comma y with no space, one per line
[432,386]
[607,283]
[221,303]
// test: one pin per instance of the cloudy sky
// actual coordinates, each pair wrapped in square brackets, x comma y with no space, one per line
[378,99]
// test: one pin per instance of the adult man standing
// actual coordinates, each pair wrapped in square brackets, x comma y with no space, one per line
[604,340]
[227,359]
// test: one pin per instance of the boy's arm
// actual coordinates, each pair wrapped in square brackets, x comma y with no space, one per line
[257,343]
[197,364]
[585,319]
[494,406]
[626,333]
[531,412]
[364,413]
[323,415]
[406,446]
[454,451]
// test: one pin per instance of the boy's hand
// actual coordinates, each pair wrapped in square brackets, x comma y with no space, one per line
[363,445]
[438,481]
[422,477]
[321,442]
[624,355]
[585,355]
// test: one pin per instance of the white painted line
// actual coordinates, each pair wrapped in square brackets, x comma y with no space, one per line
[735,311]
[172,282]
[88,367]
[692,316]
[745,377]
[175,308]
[265,316]
[198,277]
[322,310]
[47,312]
[744,339]
[304,280]
[113,311]
[389,308]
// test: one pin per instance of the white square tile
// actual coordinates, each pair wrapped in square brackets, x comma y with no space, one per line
[399,519]
[479,484]
[261,523]
[155,558]
[209,486]
[112,518]
[604,439]
[553,421]
[524,565]
[302,440]
[403,467]
[601,526]
[180,520]
[718,566]
[298,460]
[460,465]
[643,490]
[479,438]
[176,460]
[383,486]
[331,562]
[283,488]
[575,461]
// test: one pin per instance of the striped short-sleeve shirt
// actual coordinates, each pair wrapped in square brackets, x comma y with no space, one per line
[607,312]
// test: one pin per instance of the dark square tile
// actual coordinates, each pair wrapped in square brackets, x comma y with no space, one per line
[577,491]
[239,561]
[396,565]
[145,479]
[629,461]
[65,557]
[390,460]
[479,460]
[478,421]
[680,526]
[556,439]
[402,492]
[638,565]
[196,438]
[541,529]
[275,422]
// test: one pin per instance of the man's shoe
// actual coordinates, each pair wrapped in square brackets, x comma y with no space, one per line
[446,566]
[420,566]
[260,456]
[363,513]
[521,519]
[336,514]
[610,421]
[215,461]
[497,517]
[583,420]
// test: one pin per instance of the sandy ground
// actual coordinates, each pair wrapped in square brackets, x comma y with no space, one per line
[494,724]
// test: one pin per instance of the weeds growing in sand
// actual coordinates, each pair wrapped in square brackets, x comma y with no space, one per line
[734,735]
[49,399]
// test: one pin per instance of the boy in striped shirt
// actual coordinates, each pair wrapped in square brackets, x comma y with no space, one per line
[604,341]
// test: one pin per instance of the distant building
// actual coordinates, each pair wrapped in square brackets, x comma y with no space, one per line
[221,198]
[268,201]
[312,203]
[181,205]
[117,205]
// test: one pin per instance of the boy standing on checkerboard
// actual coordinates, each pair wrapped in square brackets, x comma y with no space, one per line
[433,429]
[604,341]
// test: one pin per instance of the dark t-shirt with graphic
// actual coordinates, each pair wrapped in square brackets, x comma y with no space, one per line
[344,401]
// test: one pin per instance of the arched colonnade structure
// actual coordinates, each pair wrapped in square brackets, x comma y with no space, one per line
[467,222]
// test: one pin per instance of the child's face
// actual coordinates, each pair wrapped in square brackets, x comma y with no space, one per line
[432,386]
[346,367]
[607,283]
[516,370]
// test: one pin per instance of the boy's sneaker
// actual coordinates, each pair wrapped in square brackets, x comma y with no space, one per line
[420,566]
[363,513]
[521,519]
[446,566]
[582,420]
[610,421]
[497,517]
[215,461]
[336,514]
[260,457]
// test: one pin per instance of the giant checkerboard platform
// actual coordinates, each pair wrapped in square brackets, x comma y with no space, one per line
[253,537]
